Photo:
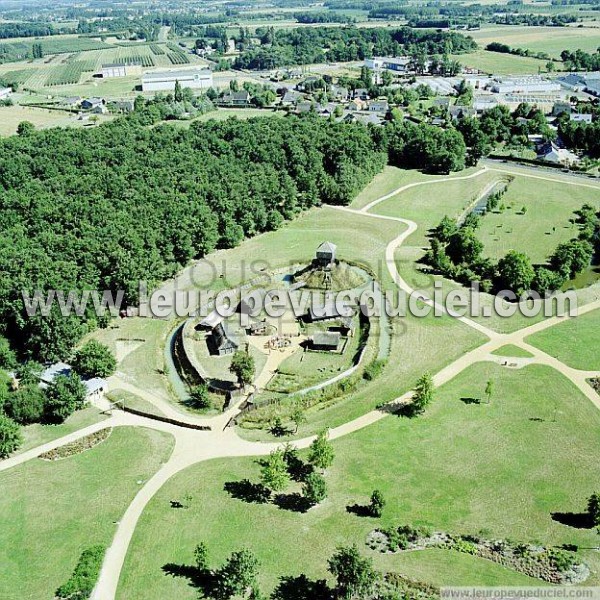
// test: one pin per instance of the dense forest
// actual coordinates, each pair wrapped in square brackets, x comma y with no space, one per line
[107,207]
[321,44]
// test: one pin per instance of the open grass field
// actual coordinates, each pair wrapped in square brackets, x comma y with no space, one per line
[574,342]
[51,511]
[501,64]
[11,116]
[427,205]
[552,40]
[293,244]
[545,224]
[38,434]
[503,467]
[512,351]
[139,346]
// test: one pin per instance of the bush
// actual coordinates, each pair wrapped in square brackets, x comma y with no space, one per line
[373,369]
[26,405]
[462,545]
[81,583]
[10,436]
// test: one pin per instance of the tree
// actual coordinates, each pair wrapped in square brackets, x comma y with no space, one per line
[274,473]
[354,573]
[386,78]
[377,503]
[201,557]
[321,453]
[237,575]
[26,404]
[423,394]
[200,397]
[298,417]
[314,488]
[94,359]
[8,359]
[10,436]
[25,128]
[178,92]
[64,396]
[242,366]
[489,390]
[515,272]
[594,509]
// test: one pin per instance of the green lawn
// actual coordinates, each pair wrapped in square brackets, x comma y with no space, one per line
[359,239]
[496,63]
[51,511]
[428,204]
[512,351]
[38,434]
[391,178]
[139,344]
[502,467]
[545,224]
[574,342]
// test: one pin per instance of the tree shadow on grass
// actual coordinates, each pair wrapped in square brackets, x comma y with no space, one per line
[298,469]
[471,400]
[576,520]
[302,588]
[254,493]
[360,510]
[201,580]
[294,502]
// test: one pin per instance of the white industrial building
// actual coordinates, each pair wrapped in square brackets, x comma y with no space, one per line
[524,85]
[392,64]
[159,81]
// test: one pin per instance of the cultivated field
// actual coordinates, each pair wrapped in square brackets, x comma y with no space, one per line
[552,40]
[504,466]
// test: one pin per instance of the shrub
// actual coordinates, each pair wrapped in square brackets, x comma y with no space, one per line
[81,583]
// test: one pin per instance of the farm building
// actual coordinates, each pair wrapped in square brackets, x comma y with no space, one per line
[222,341]
[258,328]
[117,70]
[327,340]
[196,79]
[326,253]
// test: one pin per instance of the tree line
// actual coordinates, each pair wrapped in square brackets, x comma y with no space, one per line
[326,44]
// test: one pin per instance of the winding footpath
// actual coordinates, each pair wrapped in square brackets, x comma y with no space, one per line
[192,446]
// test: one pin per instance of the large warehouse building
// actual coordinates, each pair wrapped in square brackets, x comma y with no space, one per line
[158,81]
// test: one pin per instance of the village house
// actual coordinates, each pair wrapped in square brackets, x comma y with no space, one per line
[95,386]
[552,153]
[5,93]
[326,341]
[221,340]
[92,103]
[241,98]
[581,117]
[379,106]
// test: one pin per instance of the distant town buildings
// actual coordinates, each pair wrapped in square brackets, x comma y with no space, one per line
[160,81]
